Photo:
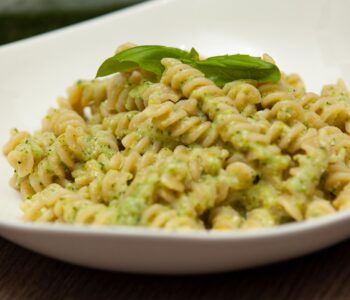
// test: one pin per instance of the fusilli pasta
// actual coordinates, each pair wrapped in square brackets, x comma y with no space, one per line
[180,152]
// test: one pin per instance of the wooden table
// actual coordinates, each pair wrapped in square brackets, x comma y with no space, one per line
[323,275]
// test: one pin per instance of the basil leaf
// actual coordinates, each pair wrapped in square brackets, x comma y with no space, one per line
[194,54]
[220,69]
[146,57]
[226,68]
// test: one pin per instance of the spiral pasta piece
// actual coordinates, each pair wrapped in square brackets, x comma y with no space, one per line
[295,84]
[86,93]
[187,129]
[245,95]
[311,167]
[156,93]
[24,151]
[78,145]
[132,162]
[338,176]
[282,102]
[180,171]
[272,93]
[318,208]
[159,216]
[258,218]
[137,133]
[125,46]
[107,187]
[208,192]
[16,138]
[39,208]
[137,141]
[57,120]
[118,98]
[332,106]
[342,201]
[291,138]
[225,218]
[126,92]
[123,123]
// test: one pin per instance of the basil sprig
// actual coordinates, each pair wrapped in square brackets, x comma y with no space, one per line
[220,69]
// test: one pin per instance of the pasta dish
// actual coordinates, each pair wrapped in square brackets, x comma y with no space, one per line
[185,150]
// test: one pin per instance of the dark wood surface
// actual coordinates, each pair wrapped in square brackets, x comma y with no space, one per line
[322,275]
[23,18]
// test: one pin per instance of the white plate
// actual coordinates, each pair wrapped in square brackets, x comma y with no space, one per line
[308,37]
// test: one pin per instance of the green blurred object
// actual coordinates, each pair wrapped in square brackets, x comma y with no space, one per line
[24,18]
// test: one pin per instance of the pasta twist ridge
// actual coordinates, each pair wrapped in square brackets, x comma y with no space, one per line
[159,216]
[175,119]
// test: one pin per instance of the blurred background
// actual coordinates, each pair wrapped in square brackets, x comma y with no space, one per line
[24,18]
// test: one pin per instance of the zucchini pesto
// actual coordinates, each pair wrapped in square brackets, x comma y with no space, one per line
[162,138]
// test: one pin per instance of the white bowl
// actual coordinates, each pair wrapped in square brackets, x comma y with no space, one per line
[308,37]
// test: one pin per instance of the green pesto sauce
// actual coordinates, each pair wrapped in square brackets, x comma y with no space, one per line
[141,190]
[308,173]
[262,194]
[138,91]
